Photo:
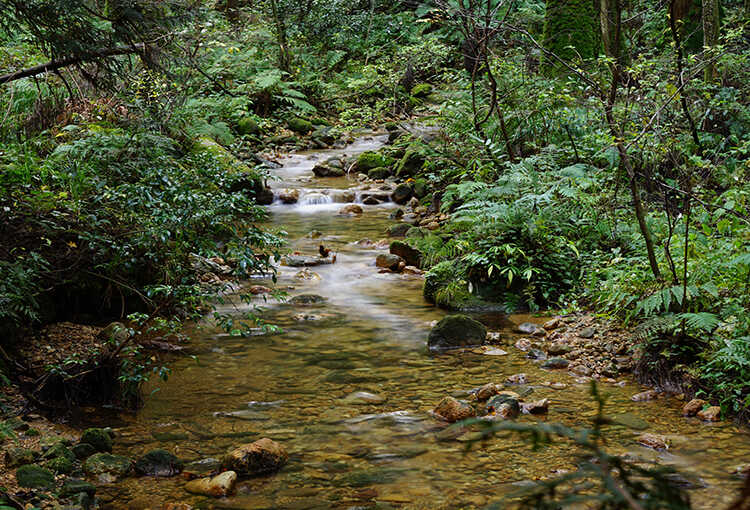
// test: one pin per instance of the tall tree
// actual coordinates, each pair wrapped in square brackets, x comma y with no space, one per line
[572,30]
[285,57]
[710,35]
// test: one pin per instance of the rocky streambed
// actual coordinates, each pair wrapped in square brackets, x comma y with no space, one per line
[348,407]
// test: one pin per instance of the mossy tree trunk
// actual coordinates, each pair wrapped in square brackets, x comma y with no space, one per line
[710,35]
[572,31]
[285,58]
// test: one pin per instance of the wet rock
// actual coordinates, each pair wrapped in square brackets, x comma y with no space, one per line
[289,196]
[411,255]
[401,194]
[693,407]
[536,354]
[552,324]
[351,210]
[365,397]
[587,333]
[645,396]
[32,476]
[536,407]
[388,261]
[218,486]
[556,363]
[453,410]
[106,463]
[581,370]
[115,331]
[456,331]
[494,351]
[262,456]
[259,289]
[433,225]
[307,299]
[83,451]
[371,201]
[159,463]
[100,439]
[523,344]
[412,270]
[397,214]
[307,275]
[16,456]
[712,413]
[557,349]
[517,379]
[527,328]
[379,173]
[503,406]
[487,391]
[73,487]
[369,160]
[654,441]
[399,229]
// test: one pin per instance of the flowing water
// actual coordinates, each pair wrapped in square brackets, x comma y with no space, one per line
[303,388]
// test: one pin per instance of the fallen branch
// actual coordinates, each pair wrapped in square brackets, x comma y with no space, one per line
[54,65]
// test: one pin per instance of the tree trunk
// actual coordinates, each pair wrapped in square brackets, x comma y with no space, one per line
[285,60]
[710,35]
[572,30]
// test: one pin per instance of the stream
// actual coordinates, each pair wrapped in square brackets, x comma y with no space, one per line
[380,449]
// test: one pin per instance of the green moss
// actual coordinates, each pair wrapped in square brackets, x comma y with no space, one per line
[248,126]
[380,172]
[421,90]
[411,162]
[61,465]
[98,438]
[35,477]
[571,31]
[300,126]
[370,159]
[420,188]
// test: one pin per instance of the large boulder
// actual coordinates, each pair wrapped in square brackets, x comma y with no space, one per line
[401,194]
[369,160]
[399,229]
[159,463]
[262,456]
[326,170]
[380,172]
[248,126]
[452,410]
[455,331]
[218,486]
[411,255]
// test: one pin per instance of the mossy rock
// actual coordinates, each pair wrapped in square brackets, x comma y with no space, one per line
[420,188]
[73,487]
[417,233]
[59,449]
[282,139]
[32,476]
[248,126]
[159,463]
[100,439]
[421,90]
[456,331]
[60,465]
[369,160]
[412,161]
[402,193]
[300,126]
[83,451]
[411,255]
[399,229]
[101,463]
[380,172]
[16,456]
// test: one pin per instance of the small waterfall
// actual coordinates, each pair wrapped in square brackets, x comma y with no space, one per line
[316,199]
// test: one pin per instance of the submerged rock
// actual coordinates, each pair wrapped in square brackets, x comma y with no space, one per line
[159,463]
[411,255]
[487,391]
[536,407]
[503,406]
[453,410]
[262,456]
[289,196]
[645,396]
[527,328]
[556,363]
[307,299]
[106,463]
[653,441]
[517,379]
[456,331]
[351,210]
[218,486]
